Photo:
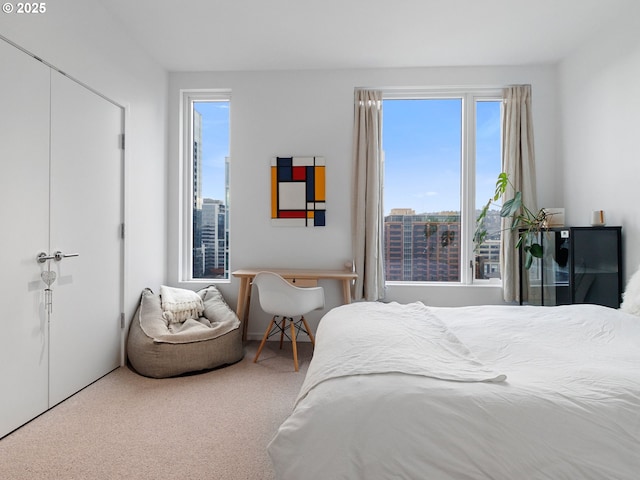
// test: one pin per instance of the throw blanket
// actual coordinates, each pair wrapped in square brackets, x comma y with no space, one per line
[179,304]
[367,338]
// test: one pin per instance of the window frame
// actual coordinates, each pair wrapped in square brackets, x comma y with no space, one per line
[185,241]
[469,96]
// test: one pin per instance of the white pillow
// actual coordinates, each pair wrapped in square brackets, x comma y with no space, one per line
[631,295]
[179,304]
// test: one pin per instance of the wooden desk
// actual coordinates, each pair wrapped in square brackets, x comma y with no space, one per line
[303,278]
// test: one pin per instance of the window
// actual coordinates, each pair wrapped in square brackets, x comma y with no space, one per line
[205,236]
[442,156]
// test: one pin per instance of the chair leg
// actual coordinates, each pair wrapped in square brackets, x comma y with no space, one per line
[306,326]
[264,339]
[293,343]
[282,326]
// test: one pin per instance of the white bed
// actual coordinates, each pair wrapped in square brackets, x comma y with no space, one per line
[387,397]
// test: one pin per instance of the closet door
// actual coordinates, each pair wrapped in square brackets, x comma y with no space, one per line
[86,218]
[24,212]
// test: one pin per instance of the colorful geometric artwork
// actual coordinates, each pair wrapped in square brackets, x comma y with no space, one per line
[298,191]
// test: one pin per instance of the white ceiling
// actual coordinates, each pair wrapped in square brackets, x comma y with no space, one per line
[207,35]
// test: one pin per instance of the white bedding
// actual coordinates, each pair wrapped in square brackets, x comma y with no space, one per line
[418,344]
[569,408]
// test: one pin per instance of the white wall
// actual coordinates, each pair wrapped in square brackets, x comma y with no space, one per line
[311,113]
[601,123]
[82,39]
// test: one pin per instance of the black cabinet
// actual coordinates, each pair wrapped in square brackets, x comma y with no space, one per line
[579,265]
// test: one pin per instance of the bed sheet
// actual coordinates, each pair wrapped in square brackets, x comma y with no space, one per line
[569,408]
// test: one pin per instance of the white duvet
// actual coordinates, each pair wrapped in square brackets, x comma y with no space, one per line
[568,409]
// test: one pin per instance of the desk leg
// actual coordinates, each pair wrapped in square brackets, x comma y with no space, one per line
[346,290]
[242,309]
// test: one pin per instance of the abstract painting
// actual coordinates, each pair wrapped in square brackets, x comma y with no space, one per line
[298,192]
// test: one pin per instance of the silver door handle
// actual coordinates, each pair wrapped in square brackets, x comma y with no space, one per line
[43,257]
[59,255]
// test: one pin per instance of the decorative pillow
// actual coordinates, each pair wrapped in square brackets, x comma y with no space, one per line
[216,308]
[179,304]
[631,295]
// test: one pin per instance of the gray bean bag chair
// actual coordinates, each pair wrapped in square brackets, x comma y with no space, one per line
[165,341]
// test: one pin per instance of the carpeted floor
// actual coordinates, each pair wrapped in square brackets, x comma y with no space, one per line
[213,425]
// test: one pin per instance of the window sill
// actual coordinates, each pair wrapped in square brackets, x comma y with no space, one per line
[477,284]
[204,282]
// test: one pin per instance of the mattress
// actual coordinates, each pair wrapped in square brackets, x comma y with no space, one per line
[500,392]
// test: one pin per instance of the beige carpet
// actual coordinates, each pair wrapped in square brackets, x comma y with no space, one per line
[214,425]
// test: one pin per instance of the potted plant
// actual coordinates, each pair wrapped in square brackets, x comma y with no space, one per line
[524,221]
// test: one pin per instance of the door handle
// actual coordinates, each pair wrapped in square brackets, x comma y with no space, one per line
[59,255]
[43,257]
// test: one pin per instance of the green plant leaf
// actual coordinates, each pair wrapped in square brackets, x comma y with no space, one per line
[510,207]
[483,212]
[478,239]
[536,250]
[528,261]
[501,186]
[520,240]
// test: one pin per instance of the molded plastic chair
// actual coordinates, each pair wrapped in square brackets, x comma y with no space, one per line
[285,302]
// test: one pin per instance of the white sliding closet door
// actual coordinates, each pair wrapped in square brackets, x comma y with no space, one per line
[61,189]
[24,231]
[86,218]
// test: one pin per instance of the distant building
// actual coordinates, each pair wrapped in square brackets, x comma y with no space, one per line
[214,238]
[402,211]
[488,260]
[426,247]
[422,247]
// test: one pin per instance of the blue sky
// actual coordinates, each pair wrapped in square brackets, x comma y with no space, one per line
[421,140]
[422,143]
[488,150]
[215,146]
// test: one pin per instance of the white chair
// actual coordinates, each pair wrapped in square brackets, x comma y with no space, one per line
[285,302]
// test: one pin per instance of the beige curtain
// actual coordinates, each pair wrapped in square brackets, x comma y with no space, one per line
[368,222]
[518,161]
